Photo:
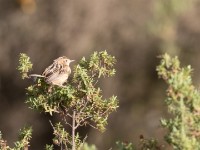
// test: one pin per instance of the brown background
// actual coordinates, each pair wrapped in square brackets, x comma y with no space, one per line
[135,31]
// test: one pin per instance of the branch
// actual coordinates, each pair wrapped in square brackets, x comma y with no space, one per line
[82,121]
[73,130]
[84,106]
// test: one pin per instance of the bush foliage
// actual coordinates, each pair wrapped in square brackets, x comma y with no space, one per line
[183,101]
[80,103]
[80,100]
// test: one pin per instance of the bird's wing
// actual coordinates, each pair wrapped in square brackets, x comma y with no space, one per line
[52,77]
[52,72]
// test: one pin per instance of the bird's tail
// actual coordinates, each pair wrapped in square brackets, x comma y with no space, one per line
[35,76]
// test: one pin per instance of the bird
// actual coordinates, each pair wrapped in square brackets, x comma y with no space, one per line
[57,73]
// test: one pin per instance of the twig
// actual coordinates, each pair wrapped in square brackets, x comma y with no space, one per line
[73,130]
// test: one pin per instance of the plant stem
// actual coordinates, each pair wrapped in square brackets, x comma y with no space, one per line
[73,130]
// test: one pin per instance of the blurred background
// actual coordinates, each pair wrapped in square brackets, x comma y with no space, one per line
[134,31]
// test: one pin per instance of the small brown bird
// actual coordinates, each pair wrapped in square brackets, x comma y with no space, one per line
[57,73]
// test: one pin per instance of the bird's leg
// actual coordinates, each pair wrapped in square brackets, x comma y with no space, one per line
[50,89]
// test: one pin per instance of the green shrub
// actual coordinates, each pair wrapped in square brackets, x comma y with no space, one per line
[183,101]
[80,100]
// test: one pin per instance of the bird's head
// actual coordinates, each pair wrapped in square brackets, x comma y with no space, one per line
[64,60]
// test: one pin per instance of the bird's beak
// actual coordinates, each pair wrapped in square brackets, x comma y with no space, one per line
[72,60]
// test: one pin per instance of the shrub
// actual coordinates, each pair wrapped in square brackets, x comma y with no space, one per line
[79,103]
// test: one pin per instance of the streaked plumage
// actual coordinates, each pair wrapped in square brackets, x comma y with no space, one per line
[58,72]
